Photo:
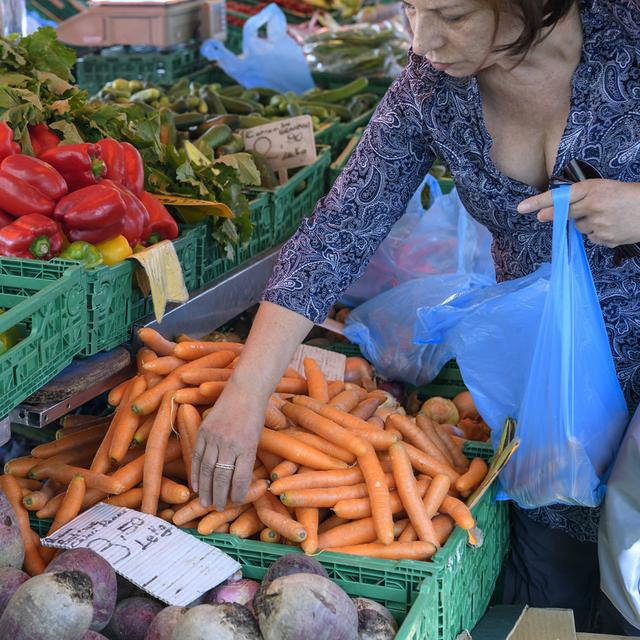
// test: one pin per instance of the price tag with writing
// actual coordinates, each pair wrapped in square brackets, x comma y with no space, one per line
[285,144]
[166,562]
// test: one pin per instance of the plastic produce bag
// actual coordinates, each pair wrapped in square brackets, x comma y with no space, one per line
[442,239]
[275,62]
[619,535]
[383,327]
[537,349]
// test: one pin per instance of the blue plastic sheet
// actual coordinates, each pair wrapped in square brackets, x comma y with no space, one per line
[537,349]
[275,61]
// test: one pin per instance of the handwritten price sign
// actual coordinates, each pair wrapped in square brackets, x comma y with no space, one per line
[285,144]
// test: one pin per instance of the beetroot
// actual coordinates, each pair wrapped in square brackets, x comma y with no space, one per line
[164,623]
[240,591]
[11,547]
[50,606]
[103,579]
[10,579]
[375,622]
[93,635]
[228,621]
[305,605]
[132,618]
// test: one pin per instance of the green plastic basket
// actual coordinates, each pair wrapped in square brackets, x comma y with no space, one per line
[46,302]
[234,39]
[447,384]
[94,71]
[297,198]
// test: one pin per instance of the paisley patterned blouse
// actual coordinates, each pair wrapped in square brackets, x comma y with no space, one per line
[427,114]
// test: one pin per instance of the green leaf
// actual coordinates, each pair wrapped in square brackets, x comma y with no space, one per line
[14,79]
[246,167]
[28,96]
[45,53]
[70,134]
[54,83]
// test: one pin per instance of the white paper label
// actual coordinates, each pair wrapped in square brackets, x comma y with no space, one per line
[285,144]
[156,556]
[331,363]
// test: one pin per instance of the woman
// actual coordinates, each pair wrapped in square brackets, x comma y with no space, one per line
[507,94]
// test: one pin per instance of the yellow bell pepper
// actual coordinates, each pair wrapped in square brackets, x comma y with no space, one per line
[115,250]
[9,338]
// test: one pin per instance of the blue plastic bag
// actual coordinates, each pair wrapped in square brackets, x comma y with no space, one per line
[275,62]
[537,349]
[443,239]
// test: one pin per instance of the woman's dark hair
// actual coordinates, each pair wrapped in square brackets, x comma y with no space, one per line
[535,15]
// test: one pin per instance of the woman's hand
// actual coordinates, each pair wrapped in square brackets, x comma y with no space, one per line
[606,211]
[229,435]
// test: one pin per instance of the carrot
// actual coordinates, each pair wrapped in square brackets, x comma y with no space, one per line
[166,514]
[348,399]
[207,374]
[175,469]
[192,395]
[78,422]
[317,385]
[155,454]
[378,423]
[323,496]
[64,473]
[330,523]
[274,418]
[291,385]
[80,439]
[283,470]
[67,431]
[247,524]
[28,483]
[211,521]
[114,397]
[323,445]
[79,457]
[458,510]
[424,463]
[435,495]
[473,477]
[196,349]
[194,509]
[317,479]
[346,420]
[33,562]
[127,422]
[367,407]
[443,524]
[157,343]
[308,518]
[269,460]
[260,473]
[101,462]
[292,373]
[188,422]
[223,528]
[190,525]
[212,390]
[428,428]
[69,509]
[271,502]
[183,337]
[356,532]
[162,366]
[361,507]
[131,499]
[296,451]
[20,467]
[413,434]
[378,494]
[393,551]
[325,428]
[143,431]
[174,493]
[131,474]
[269,535]
[335,387]
[286,526]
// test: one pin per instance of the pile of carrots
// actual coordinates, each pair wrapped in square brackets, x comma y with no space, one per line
[339,468]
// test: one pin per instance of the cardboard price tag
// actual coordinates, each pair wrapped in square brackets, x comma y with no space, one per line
[285,144]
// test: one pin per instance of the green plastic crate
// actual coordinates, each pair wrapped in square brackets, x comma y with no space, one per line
[346,348]
[234,39]
[190,247]
[46,301]
[447,384]
[94,71]
[297,198]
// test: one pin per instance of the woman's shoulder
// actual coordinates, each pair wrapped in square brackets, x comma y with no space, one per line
[419,79]
[621,15]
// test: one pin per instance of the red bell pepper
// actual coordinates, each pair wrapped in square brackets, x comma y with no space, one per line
[31,236]
[112,154]
[5,219]
[92,214]
[7,146]
[162,225]
[133,169]
[42,138]
[28,185]
[136,217]
[79,164]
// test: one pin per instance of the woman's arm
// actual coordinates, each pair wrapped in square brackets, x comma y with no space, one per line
[330,250]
